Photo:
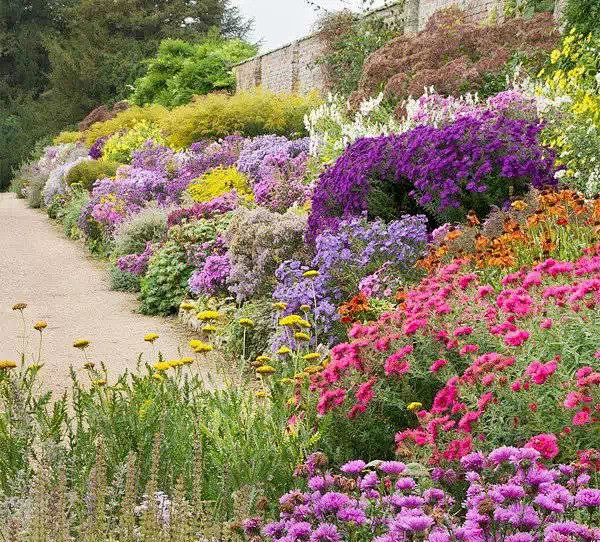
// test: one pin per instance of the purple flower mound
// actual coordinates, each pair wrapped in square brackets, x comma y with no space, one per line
[136,264]
[97,148]
[471,163]
[208,209]
[211,279]
[500,504]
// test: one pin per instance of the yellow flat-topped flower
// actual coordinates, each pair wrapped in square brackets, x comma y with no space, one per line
[19,306]
[280,305]
[312,369]
[39,326]
[311,273]
[265,370]
[158,377]
[162,366]
[202,348]
[81,344]
[312,356]
[284,350]
[209,329]
[263,358]
[301,336]
[187,360]
[150,337]
[246,322]
[175,363]
[261,394]
[293,320]
[187,306]
[7,364]
[414,406]
[208,315]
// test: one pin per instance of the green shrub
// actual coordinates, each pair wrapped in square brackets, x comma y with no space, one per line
[250,113]
[122,281]
[165,284]
[181,70]
[132,235]
[88,172]
[584,15]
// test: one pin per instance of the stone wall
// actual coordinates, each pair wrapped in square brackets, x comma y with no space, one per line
[294,67]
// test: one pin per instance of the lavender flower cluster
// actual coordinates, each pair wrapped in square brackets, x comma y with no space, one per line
[212,278]
[473,162]
[136,264]
[343,257]
[511,496]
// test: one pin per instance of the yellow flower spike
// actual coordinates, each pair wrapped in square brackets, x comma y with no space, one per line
[311,273]
[414,406]
[203,348]
[150,337]
[7,364]
[208,315]
[293,320]
[305,308]
[99,383]
[265,370]
[81,344]
[162,366]
[261,394]
[246,322]
[280,305]
[301,336]
[40,326]
[187,360]
[187,306]
[158,377]
[19,306]
[312,356]
[284,350]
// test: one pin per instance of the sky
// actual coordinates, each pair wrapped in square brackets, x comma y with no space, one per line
[278,22]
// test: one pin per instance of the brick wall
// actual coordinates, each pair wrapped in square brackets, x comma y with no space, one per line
[293,67]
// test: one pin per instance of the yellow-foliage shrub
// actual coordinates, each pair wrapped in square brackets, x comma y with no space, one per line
[152,114]
[217,182]
[68,137]
[250,113]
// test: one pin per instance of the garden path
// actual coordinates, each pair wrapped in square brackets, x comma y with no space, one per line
[65,287]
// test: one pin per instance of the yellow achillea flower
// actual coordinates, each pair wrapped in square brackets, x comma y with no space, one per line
[99,383]
[194,343]
[209,329]
[301,336]
[150,337]
[305,308]
[261,394]
[301,376]
[208,315]
[265,370]
[81,344]
[414,406]
[311,273]
[312,356]
[312,369]
[19,306]
[263,358]
[293,320]
[286,381]
[187,360]
[7,364]
[175,363]
[158,377]
[280,305]
[187,306]
[202,348]
[246,322]
[39,326]
[325,363]
[284,350]
[291,401]
[162,366]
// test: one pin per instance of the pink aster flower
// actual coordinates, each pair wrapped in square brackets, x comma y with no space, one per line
[545,444]
[516,338]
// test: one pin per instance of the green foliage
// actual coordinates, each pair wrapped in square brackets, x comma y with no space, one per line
[132,235]
[165,284]
[182,70]
[349,39]
[88,172]
[584,15]
[122,281]
[249,113]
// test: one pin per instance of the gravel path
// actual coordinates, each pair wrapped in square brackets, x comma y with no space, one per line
[63,286]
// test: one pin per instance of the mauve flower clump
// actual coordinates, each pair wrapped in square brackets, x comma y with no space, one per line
[511,495]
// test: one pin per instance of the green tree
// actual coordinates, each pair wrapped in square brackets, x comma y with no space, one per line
[182,70]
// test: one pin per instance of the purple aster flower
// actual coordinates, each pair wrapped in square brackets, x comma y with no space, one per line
[353,467]
[300,530]
[473,461]
[368,481]
[320,483]
[353,514]
[252,525]
[326,532]
[331,502]
[405,484]
[392,467]
[587,498]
